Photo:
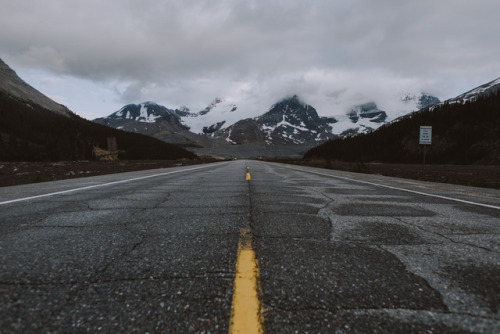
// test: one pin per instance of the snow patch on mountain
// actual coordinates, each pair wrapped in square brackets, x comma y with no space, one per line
[219,112]
[145,114]
[472,95]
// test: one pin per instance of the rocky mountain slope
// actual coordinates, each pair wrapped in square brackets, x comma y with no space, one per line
[13,85]
[288,122]
[157,121]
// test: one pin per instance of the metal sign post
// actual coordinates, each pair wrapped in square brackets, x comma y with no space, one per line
[425,137]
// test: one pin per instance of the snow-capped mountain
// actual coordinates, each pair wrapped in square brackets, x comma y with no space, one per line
[222,123]
[154,120]
[366,117]
[472,95]
[362,118]
[217,114]
[289,121]
[417,102]
[147,112]
[143,115]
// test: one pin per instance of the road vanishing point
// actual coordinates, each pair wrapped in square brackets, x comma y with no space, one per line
[249,246]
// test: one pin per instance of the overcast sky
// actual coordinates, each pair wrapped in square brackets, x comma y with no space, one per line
[95,56]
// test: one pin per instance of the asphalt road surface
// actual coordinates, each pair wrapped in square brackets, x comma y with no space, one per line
[156,251]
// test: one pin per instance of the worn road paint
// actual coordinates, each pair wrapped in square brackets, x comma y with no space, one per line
[249,177]
[247,312]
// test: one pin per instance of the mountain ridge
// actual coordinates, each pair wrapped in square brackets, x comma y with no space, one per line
[491,87]
[289,125]
[289,121]
[13,85]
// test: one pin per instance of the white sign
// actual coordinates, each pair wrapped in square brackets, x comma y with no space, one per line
[425,135]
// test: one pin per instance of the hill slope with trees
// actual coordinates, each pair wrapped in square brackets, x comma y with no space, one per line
[29,132]
[462,133]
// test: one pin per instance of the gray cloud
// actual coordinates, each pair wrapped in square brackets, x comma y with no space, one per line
[188,51]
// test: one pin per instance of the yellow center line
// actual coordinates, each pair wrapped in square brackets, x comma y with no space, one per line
[247,312]
[248,177]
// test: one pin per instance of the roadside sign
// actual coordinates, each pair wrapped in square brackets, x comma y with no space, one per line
[425,135]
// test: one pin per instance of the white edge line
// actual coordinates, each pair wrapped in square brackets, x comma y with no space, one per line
[97,186]
[401,189]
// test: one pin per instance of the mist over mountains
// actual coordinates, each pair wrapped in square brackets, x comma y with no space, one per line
[291,127]
[465,130]
[288,127]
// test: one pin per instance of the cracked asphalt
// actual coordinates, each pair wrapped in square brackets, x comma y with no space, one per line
[158,253]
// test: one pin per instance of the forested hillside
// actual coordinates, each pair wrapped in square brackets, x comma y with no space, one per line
[31,133]
[466,133]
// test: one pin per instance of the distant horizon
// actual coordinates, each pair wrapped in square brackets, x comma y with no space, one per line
[258,112]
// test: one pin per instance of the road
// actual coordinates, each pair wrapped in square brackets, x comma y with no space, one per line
[328,251]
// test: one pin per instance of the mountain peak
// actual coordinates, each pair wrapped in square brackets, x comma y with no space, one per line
[147,112]
[6,68]
[290,108]
[293,98]
[150,103]
[212,105]
[290,100]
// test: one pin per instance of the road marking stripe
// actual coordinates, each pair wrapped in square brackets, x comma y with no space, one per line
[98,185]
[401,189]
[247,312]
[248,177]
